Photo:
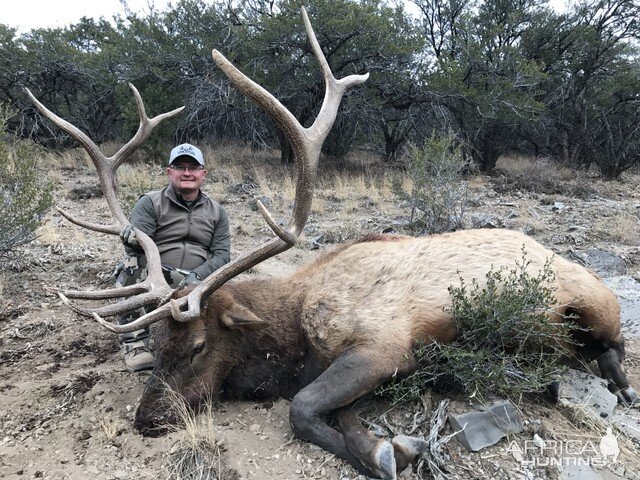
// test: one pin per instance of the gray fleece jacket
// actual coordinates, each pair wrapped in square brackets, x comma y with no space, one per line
[192,237]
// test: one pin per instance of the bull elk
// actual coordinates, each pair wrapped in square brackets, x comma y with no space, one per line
[336,328]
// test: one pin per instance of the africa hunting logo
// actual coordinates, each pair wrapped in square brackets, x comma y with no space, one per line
[545,453]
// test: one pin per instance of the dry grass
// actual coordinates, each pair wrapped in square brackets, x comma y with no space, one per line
[540,176]
[239,155]
[622,228]
[139,178]
[581,422]
[196,454]
[47,233]
[530,221]
[581,427]
[109,428]
[71,159]
[353,187]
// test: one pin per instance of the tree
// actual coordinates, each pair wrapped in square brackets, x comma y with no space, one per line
[593,84]
[479,73]
[65,67]
[356,37]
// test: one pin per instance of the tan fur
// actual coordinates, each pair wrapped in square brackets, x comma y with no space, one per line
[389,294]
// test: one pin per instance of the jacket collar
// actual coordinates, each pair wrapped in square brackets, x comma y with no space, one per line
[176,198]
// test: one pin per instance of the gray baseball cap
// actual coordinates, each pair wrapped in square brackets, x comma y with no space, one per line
[186,150]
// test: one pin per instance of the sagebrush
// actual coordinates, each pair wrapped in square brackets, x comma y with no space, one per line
[507,342]
[25,190]
[436,194]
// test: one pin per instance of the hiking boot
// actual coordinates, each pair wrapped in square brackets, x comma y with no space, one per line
[137,356]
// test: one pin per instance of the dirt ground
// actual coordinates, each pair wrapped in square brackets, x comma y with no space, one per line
[67,402]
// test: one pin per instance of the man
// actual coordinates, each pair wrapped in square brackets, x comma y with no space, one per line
[192,234]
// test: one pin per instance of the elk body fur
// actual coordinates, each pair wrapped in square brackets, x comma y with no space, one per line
[343,324]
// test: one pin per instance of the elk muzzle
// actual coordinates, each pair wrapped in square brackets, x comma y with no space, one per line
[156,415]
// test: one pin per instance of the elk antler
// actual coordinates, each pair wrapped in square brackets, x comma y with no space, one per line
[306,144]
[154,290]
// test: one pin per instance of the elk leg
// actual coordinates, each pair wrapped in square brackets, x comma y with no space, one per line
[610,363]
[354,374]
[361,441]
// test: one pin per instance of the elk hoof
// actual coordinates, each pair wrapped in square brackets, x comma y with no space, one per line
[406,449]
[384,460]
[628,396]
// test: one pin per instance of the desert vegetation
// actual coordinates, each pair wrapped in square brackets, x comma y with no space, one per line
[502,77]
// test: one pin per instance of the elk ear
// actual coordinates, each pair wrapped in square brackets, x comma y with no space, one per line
[241,318]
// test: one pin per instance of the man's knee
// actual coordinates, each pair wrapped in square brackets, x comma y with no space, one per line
[131,270]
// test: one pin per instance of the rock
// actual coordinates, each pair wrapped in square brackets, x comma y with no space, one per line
[578,472]
[253,203]
[255,428]
[92,470]
[538,441]
[627,289]
[628,422]
[486,221]
[624,286]
[477,430]
[585,389]
[605,263]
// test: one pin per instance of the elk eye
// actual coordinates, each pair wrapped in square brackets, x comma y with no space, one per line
[198,348]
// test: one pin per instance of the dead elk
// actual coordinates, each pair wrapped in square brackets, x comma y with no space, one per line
[342,325]
[335,329]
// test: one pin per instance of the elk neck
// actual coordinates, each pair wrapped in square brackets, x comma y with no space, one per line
[275,361]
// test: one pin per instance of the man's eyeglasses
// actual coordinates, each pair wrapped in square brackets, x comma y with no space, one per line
[185,168]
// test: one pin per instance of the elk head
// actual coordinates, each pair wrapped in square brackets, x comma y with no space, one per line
[179,309]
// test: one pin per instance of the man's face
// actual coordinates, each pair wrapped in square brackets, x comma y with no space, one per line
[186,175]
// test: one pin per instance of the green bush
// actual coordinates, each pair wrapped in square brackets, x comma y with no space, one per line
[507,344]
[437,196]
[25,191]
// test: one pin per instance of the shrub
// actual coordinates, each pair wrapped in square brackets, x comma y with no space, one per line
[544,177]
[507,344]
[436,194]
[25,191]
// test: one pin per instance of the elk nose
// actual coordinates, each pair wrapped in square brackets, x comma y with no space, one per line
[155,424]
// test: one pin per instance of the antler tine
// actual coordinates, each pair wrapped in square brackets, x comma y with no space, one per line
[154,289]
[132,303]
[334,89]
[144,129]
[160,313]
[96,227]
[306,144]
[118,292]
[102,164]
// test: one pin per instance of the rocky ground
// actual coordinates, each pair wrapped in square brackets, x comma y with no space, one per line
[67,402]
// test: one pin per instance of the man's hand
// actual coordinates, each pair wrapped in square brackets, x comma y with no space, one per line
[128,237]
[190,279]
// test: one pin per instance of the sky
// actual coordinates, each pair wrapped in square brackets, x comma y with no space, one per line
[28,14]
